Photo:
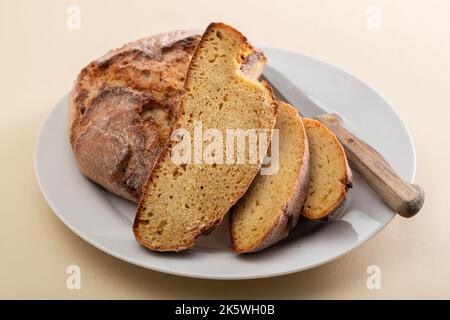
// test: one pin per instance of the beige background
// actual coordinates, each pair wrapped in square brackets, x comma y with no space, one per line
[407,60]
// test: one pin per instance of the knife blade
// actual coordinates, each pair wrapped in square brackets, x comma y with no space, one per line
[290,93]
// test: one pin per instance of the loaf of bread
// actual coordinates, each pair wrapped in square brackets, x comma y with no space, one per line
[123,106]
[182,201]
[330,176]
[272,205]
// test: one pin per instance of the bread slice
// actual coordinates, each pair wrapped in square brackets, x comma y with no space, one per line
[182,201]
[273,203]
[330,178]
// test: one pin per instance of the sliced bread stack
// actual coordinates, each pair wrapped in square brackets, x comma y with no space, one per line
[180,202]
[183,201]
[313,165]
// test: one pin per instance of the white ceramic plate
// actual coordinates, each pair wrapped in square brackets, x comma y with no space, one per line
[105,220]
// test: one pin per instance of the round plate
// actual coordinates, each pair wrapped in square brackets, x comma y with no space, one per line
[105,220]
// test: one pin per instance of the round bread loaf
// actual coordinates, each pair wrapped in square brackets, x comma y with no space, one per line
[124,104]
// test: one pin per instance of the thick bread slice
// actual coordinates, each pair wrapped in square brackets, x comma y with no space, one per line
[273,203]
[181,202]
[331,177]
[123,106]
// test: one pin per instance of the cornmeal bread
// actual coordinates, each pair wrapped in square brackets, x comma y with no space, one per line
[182,201]
[273,203]
[124,104]
[330,177]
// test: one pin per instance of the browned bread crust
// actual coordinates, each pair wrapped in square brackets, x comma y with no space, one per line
[124,104]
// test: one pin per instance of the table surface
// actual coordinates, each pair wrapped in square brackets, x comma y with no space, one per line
[401,48]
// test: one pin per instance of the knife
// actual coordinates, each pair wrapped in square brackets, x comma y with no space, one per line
[404,198]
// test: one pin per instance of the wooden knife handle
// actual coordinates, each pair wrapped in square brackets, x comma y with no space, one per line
[404,198]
